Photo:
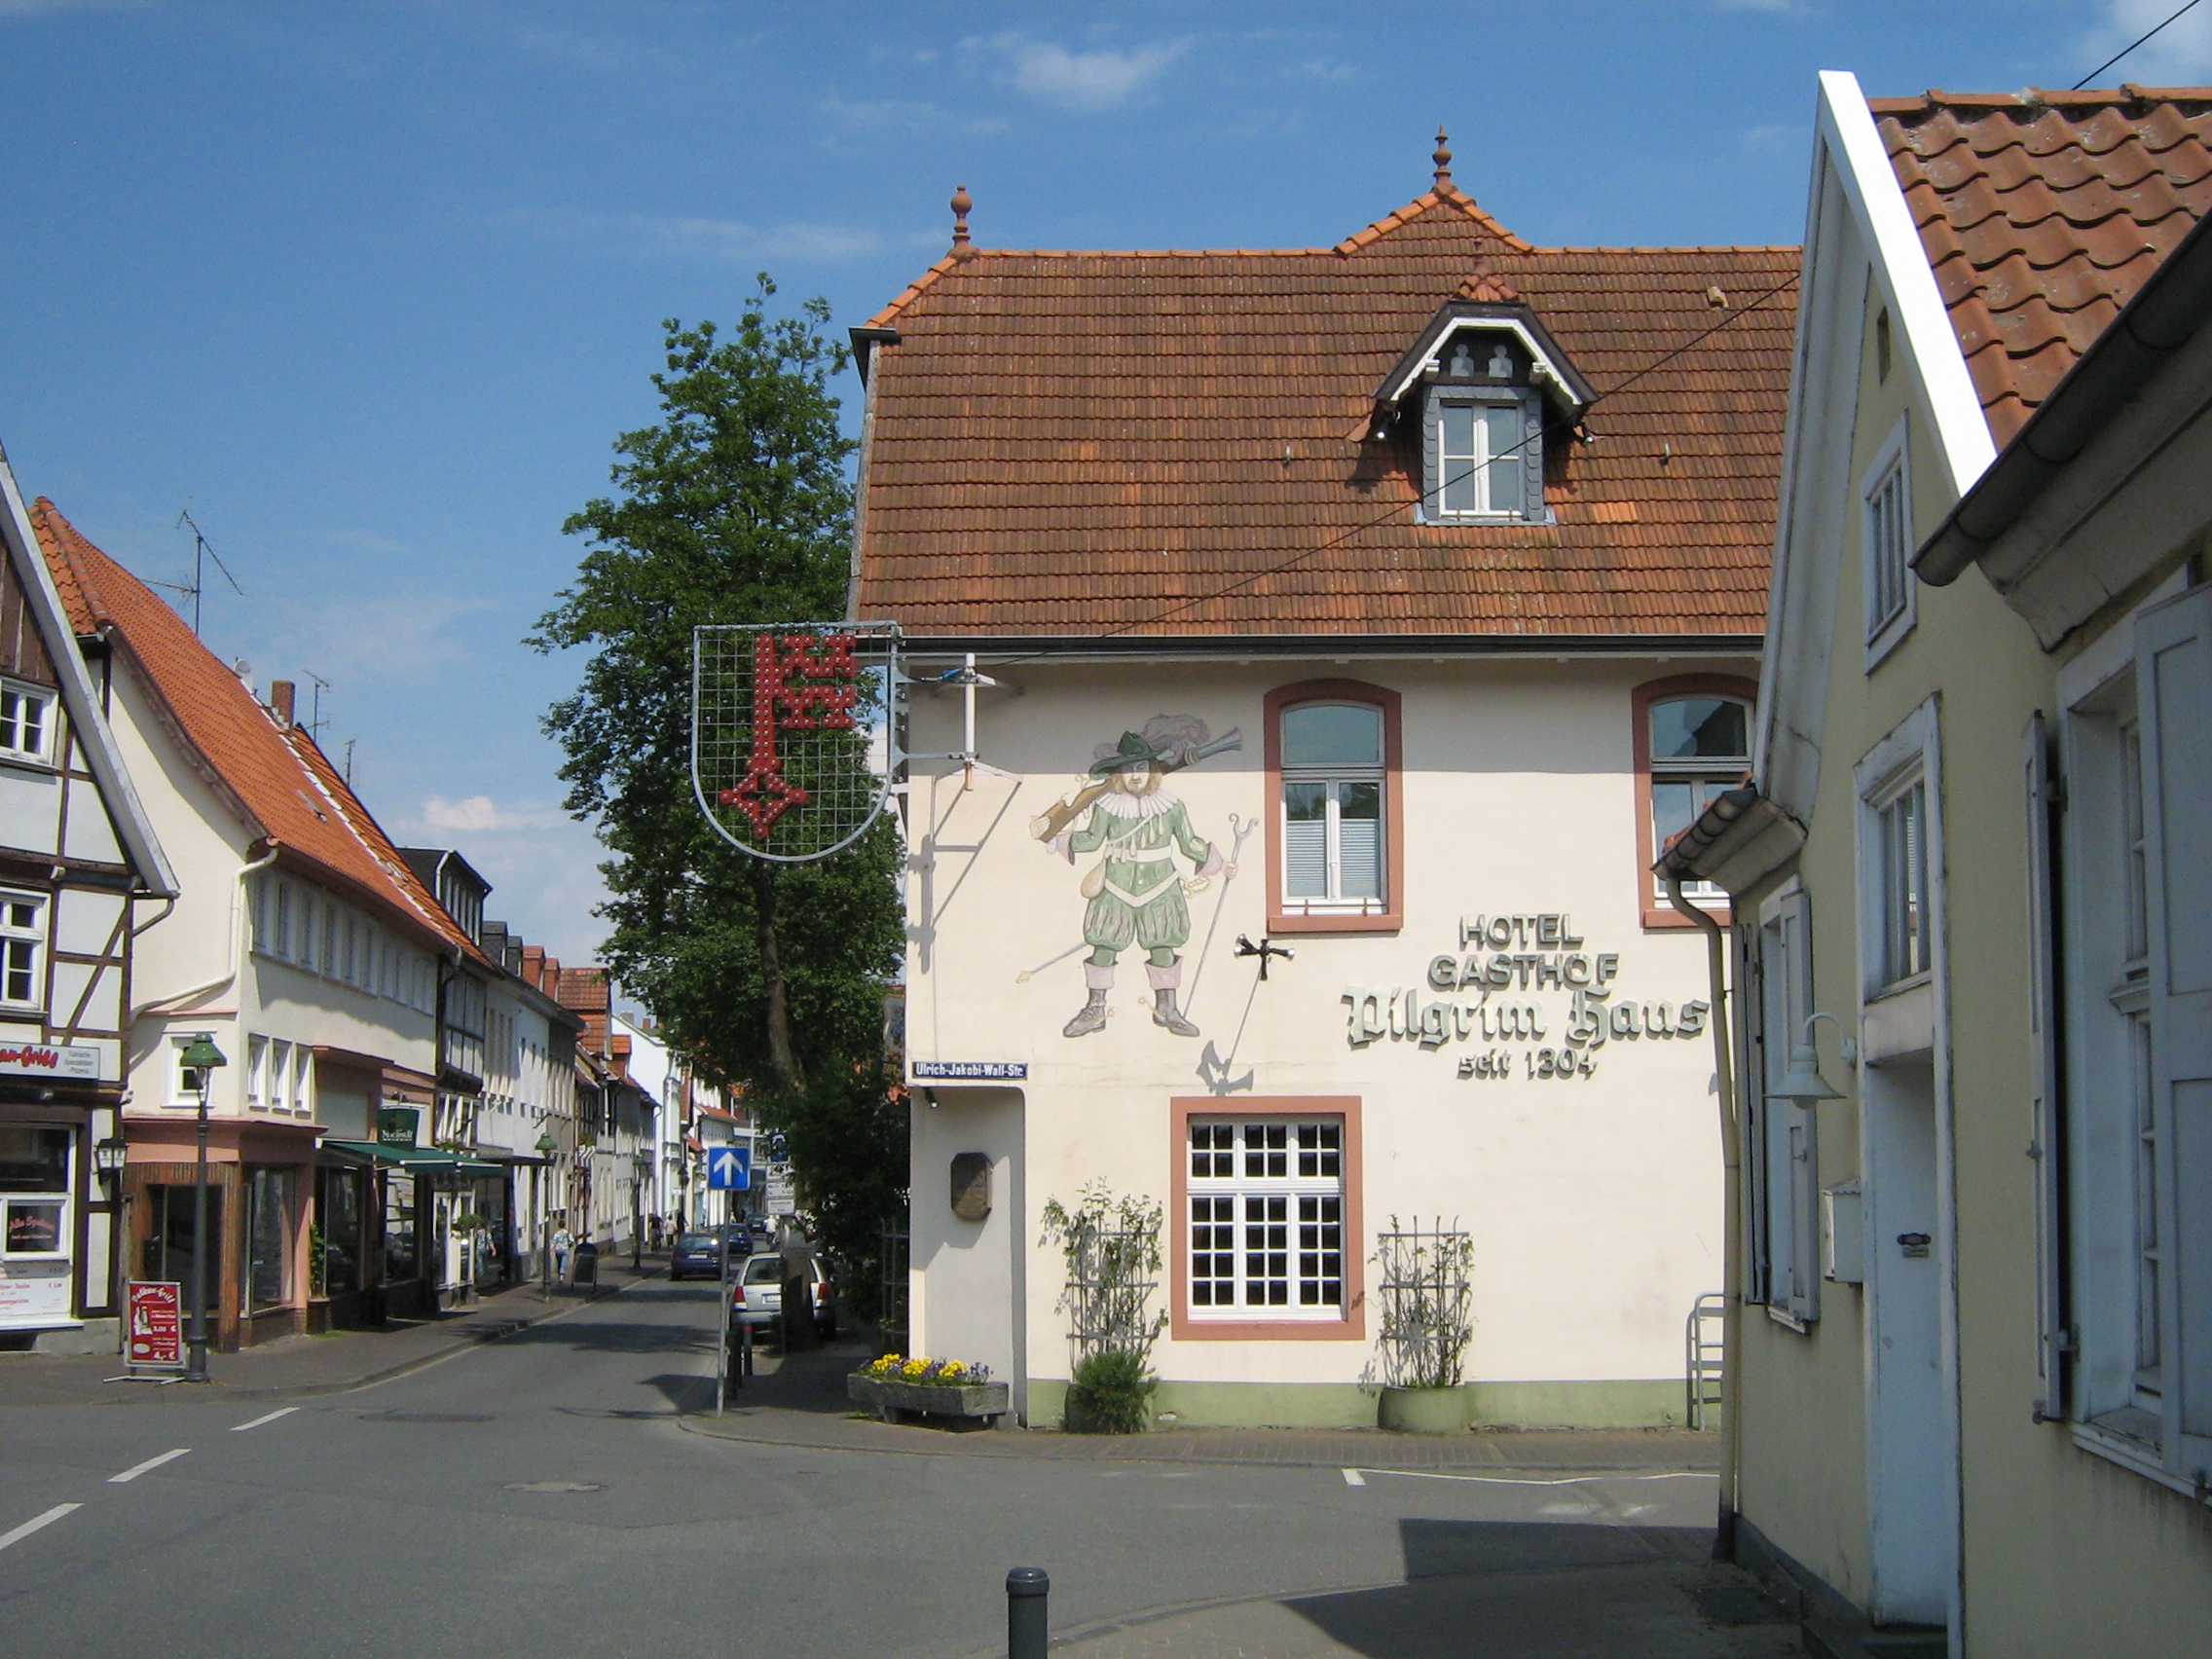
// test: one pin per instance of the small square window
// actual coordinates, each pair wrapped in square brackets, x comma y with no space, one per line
[26,721]
[22,949]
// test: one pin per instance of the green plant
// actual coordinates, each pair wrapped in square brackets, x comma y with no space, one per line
[1112,1393]
[1428,1316]
[318,1262]
[1112,1249]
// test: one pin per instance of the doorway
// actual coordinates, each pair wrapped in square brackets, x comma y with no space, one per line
[1911,1395]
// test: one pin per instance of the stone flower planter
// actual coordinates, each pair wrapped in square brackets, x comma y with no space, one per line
[1424,1411]
[977,1402]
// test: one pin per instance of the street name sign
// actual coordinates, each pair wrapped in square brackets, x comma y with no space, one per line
[729,1168]
[1011,1071]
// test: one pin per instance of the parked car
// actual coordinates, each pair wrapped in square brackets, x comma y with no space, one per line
[822,1289]
[756,1300]
[696,1253]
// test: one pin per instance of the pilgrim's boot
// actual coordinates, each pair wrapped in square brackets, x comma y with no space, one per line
[1092,1016]
[1165,1013]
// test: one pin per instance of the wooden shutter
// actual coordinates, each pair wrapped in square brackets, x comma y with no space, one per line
[2173,645]
[2046,1144]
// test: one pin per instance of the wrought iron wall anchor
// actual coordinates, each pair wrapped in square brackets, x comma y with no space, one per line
[1266,949]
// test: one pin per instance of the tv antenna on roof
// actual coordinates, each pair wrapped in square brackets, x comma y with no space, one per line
[316,721]
[200,553]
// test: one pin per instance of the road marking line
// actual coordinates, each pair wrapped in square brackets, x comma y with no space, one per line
[1506,1480]
[137,1469]
[1353,1477]
[280,1410]
[35,1522]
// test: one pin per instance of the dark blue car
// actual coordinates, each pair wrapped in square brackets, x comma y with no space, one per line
[696,1253]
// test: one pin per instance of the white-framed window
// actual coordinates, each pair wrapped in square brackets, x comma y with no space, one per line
[35,1192]
[1700,747]
[1886,541]
[1901,822]
[1482,439]
[1783,1190]
[1332,807]
[1266,1221]
[22,949]
[257,1085]
[26,721]
[2136,901]
[303,1079]
[184,1080]
[282,947]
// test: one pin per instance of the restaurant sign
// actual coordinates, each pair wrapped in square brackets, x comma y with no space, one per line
[74,1061]
[154,1335]
[1525,994]
[396,1125]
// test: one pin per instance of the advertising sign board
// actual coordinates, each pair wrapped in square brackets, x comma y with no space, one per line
[155,1335]
[38,1059]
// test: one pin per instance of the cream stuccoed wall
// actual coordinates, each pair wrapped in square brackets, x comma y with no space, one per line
[205,944]
[2060,1552]
[1593,1202]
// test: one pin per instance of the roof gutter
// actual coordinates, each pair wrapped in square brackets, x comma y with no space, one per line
[2164,315]
[1262,646]
[1737,842]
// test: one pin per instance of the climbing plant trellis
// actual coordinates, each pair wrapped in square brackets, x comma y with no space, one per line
[791,742]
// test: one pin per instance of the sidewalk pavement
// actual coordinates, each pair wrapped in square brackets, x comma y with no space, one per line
[306,1366]
[1659,1609]
[800,1401]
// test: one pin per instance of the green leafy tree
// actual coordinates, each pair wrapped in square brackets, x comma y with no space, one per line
[734,507]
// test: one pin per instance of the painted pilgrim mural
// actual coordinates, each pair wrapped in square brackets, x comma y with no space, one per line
[1138,893]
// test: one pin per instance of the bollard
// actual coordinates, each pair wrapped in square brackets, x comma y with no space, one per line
[1026,1588]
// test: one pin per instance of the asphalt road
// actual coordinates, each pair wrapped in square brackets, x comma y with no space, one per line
[537,1496]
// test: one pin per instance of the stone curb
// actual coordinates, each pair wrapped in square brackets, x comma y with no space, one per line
[1033,1446]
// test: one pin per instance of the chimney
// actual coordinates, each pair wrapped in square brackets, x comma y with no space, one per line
[280,700]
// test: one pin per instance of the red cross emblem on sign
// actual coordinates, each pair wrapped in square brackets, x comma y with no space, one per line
[800,682]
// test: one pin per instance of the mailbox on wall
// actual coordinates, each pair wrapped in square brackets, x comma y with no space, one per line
[972,1185]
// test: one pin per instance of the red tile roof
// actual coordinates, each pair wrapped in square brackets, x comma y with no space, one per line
[2041,213]
[1065,444]
[279,781]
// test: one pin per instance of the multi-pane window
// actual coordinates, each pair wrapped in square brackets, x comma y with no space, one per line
[26,721]
[1482,437]
[1699,748]
[1901,824]
[257,1073]
[1887,538]
[22,949]
[1332,806]
[1266,1218]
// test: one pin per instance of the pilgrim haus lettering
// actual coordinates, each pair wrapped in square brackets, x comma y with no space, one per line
[1564,1031]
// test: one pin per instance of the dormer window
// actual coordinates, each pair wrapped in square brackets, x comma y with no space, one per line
[1486,386]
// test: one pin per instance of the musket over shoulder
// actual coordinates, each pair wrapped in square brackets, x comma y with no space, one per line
[1062,814]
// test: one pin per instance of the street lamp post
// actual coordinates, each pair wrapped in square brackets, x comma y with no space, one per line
[200,1058]
[641,1163]
[547,1146]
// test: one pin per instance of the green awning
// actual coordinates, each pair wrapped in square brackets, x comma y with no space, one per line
[428,1158]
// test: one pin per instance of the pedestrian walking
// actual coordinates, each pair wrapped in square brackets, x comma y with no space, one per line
[564,1241]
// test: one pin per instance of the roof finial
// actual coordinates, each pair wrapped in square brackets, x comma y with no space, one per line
[1441,159]
[962,202]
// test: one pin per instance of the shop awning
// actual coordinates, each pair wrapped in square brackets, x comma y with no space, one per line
[427,1160]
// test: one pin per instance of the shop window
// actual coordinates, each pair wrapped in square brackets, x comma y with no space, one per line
[169,1241]
[26,721]
[337,1219]
[263,1265]
[22,949]
[1337,843]
[1692,743]
[399,1251]
[1266,1239]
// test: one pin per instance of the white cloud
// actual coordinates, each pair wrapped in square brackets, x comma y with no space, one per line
[1083,82]
[900,114]
[2180,54]
[1781,138]
[728,239]
[374,638]
[482,812]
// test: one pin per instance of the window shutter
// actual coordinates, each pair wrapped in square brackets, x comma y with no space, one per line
[1533,462]
[2173,645]
[2046,1141]
[1751,1074]
[1431,505]
[1359,854]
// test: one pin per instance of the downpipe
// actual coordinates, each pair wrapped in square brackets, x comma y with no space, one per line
[1732,1210]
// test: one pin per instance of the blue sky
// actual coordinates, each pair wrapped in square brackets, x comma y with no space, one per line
[373,285]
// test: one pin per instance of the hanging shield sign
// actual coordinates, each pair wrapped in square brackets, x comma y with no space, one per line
[789,733]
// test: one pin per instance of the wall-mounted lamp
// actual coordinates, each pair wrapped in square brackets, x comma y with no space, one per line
[108,1154]
[1803,1081]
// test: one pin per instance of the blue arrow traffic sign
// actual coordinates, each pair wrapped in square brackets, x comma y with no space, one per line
[729,1168]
